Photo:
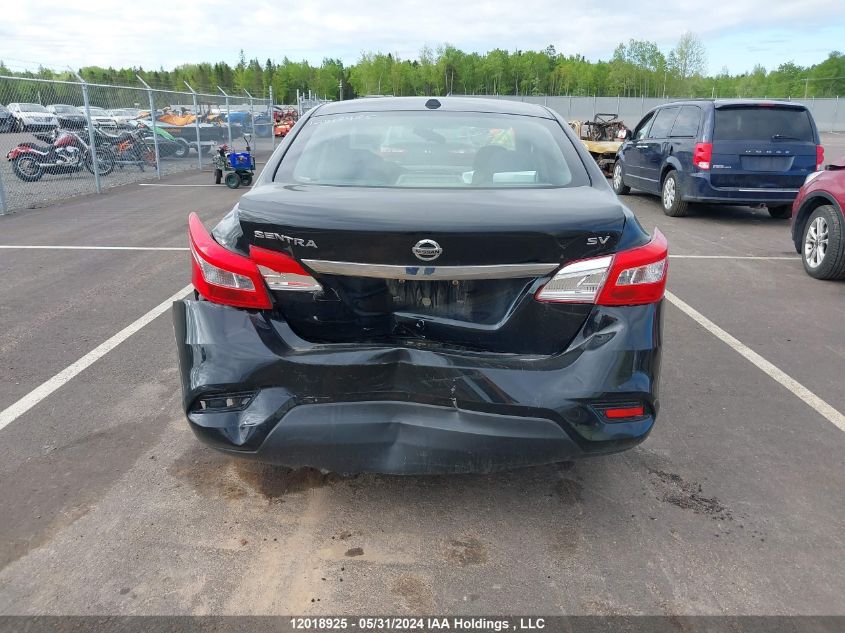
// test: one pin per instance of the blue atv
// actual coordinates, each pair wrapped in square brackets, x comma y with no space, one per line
[239,165]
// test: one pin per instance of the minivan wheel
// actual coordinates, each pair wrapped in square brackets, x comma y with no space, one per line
[823,253]
[619,185]
[780,212]
[670,197]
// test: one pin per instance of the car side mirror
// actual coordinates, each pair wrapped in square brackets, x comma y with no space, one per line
[629,134]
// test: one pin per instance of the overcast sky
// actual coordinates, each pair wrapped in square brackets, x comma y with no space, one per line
[737,34]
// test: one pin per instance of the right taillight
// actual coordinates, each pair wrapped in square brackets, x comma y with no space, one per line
[819,157]
[632,277]
[701,155]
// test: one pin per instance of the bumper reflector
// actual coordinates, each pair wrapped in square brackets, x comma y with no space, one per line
[625,412]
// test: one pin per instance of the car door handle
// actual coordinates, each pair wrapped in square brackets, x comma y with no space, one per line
[641,146]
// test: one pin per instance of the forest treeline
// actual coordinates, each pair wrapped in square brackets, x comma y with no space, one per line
[636,68]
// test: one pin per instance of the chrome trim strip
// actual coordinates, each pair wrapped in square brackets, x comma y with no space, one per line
[451,273]
[763,190]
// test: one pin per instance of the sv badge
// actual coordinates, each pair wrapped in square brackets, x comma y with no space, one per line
[595,241]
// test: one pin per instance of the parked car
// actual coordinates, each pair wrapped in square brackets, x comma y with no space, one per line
[32,117]
[401,312]
[69,116]
[721,152]
[123,115]
[818,222]
[101,118]
[7,121]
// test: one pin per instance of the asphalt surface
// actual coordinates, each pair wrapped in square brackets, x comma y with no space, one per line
[734,505]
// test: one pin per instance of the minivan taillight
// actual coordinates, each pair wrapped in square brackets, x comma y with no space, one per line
[819,157]
[701,155]
[222,276]
[632,277]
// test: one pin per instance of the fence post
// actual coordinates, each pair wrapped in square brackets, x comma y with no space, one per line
[155,129]
[251,116]
[835,115]
[594,105]
[196,126]
[91,140]
[642,105]
[272,119]
[3,205]
[228,115]
[569,112]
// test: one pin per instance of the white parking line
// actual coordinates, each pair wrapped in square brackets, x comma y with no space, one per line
[96,248]
[155,184]
[812,400]
[13,412]
[764,257]
[185,248]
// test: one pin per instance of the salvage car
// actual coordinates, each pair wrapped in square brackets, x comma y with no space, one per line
[723,151]
[7,121]
[69,117]
[30,117]
[422,308]
[818,222]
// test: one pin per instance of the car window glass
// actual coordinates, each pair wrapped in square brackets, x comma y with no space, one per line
[642,128]
[762,123]
[687,122]
[663,122]
[421,149]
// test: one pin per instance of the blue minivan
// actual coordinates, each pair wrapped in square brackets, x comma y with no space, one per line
[720,152]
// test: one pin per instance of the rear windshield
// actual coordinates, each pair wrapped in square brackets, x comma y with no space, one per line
[432,149]
[762,123]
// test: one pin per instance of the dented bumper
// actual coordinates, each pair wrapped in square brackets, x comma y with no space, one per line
[251,386]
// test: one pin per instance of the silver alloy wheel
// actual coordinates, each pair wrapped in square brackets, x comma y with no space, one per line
[668,193]
[617,176]
[815,244]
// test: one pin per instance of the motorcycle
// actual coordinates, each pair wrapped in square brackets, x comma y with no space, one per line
[129,148]
[67,153]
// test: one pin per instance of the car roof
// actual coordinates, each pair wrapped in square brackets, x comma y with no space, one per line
[729,103]
[447,104]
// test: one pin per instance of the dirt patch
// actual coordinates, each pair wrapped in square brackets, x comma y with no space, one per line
[212,473]
[416,594]
[688,495]
[569,490]
[355,551]
[276,481]
[469,551]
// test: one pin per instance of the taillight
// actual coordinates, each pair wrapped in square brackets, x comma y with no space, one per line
[632,277]
[222,276]
[701,155]
[282,272]
[819,157]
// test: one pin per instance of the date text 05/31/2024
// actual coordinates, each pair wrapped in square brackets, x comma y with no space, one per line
[419,624]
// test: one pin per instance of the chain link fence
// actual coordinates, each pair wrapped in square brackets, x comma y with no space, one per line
[62,139]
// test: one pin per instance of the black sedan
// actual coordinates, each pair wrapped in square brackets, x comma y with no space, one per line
[7,121]
[70,118]
[471,298]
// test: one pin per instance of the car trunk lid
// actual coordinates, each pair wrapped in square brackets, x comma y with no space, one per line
[434,267]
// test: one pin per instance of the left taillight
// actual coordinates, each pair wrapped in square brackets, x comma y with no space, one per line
[222,276]
[631,277]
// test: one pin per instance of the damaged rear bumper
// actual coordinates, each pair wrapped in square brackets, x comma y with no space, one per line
[251,386]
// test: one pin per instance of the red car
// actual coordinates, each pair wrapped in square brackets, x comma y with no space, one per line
[818,222]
